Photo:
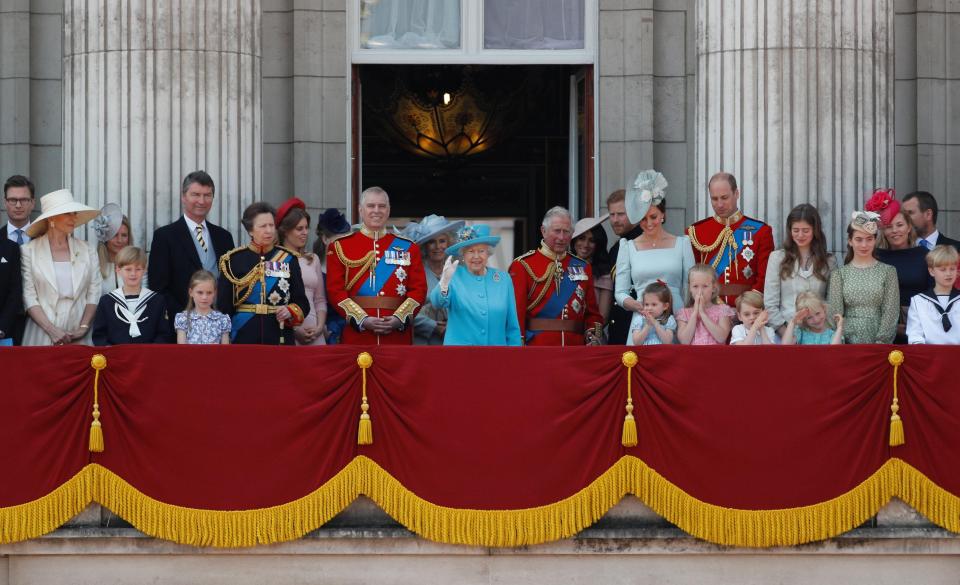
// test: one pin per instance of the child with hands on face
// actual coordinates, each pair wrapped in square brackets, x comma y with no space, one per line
[704,320]
[753,329]
[658,325]
[809,325]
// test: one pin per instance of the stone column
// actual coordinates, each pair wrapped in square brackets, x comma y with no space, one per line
[154,89]
[796,99]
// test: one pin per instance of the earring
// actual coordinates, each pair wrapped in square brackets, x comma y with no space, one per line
[663,220]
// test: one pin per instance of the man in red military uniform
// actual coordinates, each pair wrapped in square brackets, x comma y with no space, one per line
[556,302]
[375,279]
[735,245]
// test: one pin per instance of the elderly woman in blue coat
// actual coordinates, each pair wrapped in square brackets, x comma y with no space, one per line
[479,299]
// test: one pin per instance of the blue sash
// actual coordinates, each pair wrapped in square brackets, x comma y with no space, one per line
[556,302]
[240,319]
[383,271]
[739,235]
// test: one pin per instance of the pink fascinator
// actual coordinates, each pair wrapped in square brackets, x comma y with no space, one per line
[884,203]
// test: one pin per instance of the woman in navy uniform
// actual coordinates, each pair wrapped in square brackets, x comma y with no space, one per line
[260,284]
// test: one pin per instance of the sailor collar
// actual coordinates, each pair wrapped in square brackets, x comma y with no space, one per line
[734,218]
[372,234]
[932,296]
[546,251]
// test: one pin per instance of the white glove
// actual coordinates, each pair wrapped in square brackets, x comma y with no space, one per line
[449,267]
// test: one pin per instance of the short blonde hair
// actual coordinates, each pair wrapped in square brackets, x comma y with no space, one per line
[811,301]
[131,255]
[942,256]
[751,298]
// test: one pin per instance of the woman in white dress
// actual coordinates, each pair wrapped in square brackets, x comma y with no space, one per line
[61,276]
[655,255]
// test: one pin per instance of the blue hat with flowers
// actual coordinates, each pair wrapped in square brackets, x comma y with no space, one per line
[646,191]
[472,235]
[432,226]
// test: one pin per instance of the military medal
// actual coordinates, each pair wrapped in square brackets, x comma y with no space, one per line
[401,274]
[401,289]
[747,254]
[274,298]
[579,292]
[496,277]
[284,285]
[747,272]
[576,306]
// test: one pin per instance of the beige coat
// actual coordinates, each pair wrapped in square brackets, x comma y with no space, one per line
[40,287]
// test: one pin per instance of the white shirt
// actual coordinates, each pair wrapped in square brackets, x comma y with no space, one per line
[924,324]
[739,333]
[193,229]
[12,232]
[932,238]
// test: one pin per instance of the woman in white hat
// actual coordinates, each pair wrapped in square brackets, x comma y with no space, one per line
[589,242]
[655,254]
[61,275]
[434,234]
[112,229]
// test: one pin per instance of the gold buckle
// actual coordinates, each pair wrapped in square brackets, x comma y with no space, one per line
[261,309]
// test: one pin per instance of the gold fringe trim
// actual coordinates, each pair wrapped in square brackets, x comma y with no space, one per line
[493,528]
[46,514]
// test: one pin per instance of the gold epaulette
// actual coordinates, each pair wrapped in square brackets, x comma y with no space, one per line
[521,256]
[243,285]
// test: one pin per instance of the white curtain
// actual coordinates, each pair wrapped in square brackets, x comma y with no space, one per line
[410,24]
[533,24]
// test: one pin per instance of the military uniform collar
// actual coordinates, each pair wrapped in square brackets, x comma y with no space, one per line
[546,251]
[260,250]
[373,234]
[734,218]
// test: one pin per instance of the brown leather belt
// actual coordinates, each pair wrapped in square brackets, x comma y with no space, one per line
[566,325]
[385,303]
[733,289]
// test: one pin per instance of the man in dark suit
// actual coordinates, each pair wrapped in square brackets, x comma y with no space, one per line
[18,200]
[189,244]
[618,325]
[922,209]
[11,289]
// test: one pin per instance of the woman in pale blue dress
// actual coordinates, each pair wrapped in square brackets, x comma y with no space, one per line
[655,254]
[479,300]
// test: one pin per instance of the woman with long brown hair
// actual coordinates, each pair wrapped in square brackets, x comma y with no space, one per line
[802,265]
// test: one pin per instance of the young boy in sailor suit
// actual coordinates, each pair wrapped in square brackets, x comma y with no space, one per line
[132,313]
[934,315]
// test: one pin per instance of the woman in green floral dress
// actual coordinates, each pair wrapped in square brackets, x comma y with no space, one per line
[864,290]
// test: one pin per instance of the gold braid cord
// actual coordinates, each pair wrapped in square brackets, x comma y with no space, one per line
[364,264]
[723,240]
[243,286]
[547,275]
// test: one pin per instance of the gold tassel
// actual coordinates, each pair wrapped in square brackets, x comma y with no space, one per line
[896,425]
[629,436]
[97,362]
[365,432]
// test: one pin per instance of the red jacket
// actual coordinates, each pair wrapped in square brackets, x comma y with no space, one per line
[378,275]
[739,252]
[556,301]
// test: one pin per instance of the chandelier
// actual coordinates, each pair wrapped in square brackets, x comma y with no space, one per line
[443,113]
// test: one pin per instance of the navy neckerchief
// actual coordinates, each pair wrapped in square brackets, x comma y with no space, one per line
[933,297]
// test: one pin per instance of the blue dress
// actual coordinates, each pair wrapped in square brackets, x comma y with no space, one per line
[482,310]
[638,268]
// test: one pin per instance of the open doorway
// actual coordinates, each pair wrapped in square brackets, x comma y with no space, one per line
[500,144]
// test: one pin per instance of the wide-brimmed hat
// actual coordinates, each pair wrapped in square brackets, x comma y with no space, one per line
[432,226]
[472,235]
[647,190]
[59,203]
[586,224]
[332,221]
[865,221]
[884,203]
[107,224]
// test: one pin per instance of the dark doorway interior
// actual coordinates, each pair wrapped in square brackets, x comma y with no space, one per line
[510,161]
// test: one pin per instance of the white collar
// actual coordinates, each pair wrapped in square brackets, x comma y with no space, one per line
[193,225]
[130,311]
[12,229]
[933,237]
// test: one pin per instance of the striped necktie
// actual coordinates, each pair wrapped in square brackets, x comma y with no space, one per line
[203,243]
